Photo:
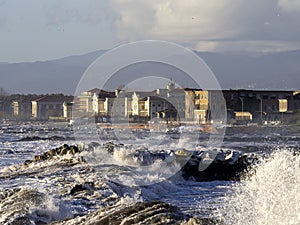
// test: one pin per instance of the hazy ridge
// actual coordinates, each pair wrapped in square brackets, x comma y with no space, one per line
[233,70]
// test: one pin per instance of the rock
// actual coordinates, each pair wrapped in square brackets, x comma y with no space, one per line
[27,162]
[6,151]
[201,221]
[110,146]
[37,157]
[154,212]
[74,149]
[87,186]
[52,152]
[20,206]
[219,168]
[64,151]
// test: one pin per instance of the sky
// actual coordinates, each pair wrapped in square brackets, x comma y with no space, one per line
[38,30]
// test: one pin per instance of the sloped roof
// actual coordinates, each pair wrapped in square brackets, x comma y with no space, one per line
[143,94]
[94,90]
[105,94]
[55,98]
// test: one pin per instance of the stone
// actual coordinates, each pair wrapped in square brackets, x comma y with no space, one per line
[37,157]
[27,162]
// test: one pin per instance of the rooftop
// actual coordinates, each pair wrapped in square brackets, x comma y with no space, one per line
[55,98]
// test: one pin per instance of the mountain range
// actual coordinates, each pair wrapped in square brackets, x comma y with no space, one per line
[272,71]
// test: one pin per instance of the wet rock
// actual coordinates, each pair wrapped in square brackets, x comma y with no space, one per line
[109,146]
[33,138]
[6,151]
[221,167]
[155,212]
[28,162]
[201,221]
[37,138]
[18,207]
[37,157]
[60,151]
[87,186]
[64,151]
[74,149]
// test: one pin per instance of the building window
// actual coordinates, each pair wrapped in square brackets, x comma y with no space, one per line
[153,105]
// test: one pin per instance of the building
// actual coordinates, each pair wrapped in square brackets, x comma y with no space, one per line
[196,105]
[294,104]
[68,110]
[49,106]
[156,107]
[84,102]
[22,109]
[100,102]
[139,104]
[263,105]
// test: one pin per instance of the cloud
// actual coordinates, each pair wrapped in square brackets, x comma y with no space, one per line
[68,11]
[3,2]
[188,20]
[289,5]
[208,25]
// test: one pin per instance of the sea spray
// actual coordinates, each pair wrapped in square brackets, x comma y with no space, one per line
[269,196]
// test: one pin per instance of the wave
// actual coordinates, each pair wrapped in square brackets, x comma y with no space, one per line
[269,195]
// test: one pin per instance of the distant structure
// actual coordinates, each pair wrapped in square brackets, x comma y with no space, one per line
[260,105]
[22,108]
[50,106]
[169,104]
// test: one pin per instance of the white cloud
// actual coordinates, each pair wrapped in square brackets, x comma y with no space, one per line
[255,46]
[207,46]
[289,5]
[205,24]
[172,20]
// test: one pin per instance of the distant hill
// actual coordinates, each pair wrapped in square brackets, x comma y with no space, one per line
[233,70]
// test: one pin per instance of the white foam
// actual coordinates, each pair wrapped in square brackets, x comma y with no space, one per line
[271,196]
[52,209]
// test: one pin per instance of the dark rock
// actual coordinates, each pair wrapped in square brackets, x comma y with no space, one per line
[219,169]
[6,151]
[37,157]
[64,151]
[33,138]
[27,162]
[109,146]
[36,138]
[154,212]
[74,149]
[65,146]
[87,186]
[52,152]
[201,221]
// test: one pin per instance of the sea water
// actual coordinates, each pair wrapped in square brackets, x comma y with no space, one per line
[267,194]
